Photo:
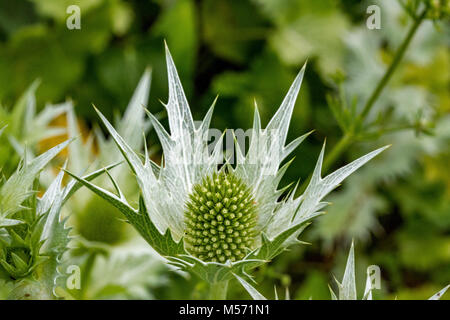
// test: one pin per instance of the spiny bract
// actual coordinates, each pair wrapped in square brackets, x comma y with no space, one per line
[168,200]
[220,219]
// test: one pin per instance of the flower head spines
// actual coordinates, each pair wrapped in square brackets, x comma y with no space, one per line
[184,218]
[220,219]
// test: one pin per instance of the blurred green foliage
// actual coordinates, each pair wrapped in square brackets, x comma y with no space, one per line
[397,208]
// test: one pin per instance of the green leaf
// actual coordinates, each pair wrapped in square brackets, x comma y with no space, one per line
[163,244]
[271,248]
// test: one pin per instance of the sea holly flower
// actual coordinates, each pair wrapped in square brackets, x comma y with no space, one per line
[220,221]
[33,237]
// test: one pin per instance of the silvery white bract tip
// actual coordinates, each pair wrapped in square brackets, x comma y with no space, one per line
[220,220]
[346,288]
[438,295]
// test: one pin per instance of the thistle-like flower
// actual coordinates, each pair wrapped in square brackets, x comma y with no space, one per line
[220,221]
[33,237]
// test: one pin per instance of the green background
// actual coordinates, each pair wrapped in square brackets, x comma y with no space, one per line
[397,208]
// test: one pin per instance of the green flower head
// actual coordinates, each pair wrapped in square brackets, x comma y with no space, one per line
[220,219]
[215,218]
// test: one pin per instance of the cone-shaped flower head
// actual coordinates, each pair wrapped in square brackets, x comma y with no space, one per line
[189,213]
[220,219]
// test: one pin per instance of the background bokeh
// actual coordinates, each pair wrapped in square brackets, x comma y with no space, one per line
[396,208]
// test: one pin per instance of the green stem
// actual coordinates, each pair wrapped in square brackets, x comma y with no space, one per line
[348,139]
[342,145]
[218,290]
[397,58]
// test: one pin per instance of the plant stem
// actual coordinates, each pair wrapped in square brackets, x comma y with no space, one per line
[397,58]
[342,145]
[218,290]
[347,139]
